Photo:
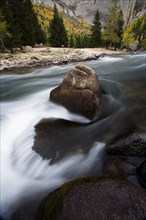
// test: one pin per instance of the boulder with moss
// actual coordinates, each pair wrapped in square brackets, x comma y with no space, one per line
[94,198]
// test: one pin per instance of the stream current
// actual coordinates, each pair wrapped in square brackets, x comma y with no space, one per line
[25,101]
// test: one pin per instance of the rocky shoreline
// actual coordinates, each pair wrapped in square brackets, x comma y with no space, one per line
[29,57]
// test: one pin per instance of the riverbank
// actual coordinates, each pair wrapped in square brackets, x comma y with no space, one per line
[48,56]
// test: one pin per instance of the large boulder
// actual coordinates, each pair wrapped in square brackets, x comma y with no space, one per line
[118,167]
[94,198]
[80,92]
[133,144]
[58,138]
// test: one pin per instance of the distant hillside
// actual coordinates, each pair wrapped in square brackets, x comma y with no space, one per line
[85,9]
[77,12]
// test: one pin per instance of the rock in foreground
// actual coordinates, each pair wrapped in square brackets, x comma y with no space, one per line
[133,144]
[118,167]
[58,138]
[80,92]
[94,198]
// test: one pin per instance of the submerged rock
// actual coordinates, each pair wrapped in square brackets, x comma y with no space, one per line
[133,144]
[118,167]
[94,198]
[58,138]
[80,92]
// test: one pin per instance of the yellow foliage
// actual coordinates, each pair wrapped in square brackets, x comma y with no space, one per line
[136,30]
[128,36]
[45,14]
[144,43]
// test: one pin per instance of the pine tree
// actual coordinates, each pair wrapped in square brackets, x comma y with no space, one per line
[95,40]
[82,41]
[32,33]
[71,41]
[3,32]
[22,23]
[113,31]
[13,29]
[78,41]
[57,32]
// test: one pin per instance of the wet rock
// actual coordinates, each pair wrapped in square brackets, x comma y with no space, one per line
[141,173]
[101,55]
[118,167]
[94,198]
[80,92]
[130,145]
[58,138]
[122,167]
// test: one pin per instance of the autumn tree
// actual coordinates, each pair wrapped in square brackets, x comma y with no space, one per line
[57,32]
[135,31]
[95,40]
[112,34]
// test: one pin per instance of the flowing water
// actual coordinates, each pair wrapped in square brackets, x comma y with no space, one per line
[25,101]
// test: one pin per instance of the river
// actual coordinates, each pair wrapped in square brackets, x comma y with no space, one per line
[25,101]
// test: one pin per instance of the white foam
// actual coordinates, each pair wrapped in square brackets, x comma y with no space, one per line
[21,167]
[111,59]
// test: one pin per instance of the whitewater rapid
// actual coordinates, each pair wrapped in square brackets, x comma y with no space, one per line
[25,101]
[21,167]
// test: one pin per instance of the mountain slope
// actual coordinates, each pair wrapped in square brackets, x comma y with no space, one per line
[86,9]
[45,14]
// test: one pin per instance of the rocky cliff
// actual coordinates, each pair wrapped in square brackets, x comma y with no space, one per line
[86,9]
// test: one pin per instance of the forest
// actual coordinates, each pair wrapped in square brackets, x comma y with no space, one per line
[26,23]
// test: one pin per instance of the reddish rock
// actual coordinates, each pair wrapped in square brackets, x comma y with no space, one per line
[80,92]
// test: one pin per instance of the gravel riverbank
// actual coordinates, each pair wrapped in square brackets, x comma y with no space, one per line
[47,56]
